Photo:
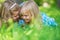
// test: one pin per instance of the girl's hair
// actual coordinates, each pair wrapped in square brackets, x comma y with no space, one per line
[6,11]
[5,14]
[32,7]
[7,7]
[14,7]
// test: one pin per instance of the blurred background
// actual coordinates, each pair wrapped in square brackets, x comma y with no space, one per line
[52,9]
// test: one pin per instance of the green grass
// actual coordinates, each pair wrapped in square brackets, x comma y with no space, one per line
[46,33]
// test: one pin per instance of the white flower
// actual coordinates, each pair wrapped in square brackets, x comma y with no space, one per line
[46,5]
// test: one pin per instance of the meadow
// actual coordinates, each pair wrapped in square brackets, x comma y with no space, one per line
[46,33]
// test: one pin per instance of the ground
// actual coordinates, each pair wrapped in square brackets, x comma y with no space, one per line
[46,33]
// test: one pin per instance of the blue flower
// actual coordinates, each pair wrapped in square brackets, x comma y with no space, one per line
[52,22]
[21,22]
[47,20]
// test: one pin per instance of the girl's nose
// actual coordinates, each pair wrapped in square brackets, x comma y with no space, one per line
[27,17]
[17,16]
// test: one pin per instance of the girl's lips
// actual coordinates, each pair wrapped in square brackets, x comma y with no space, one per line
[27,20]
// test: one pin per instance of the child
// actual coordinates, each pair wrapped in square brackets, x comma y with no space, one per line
[30,14]
[43,16]
[15,12]
[10,11]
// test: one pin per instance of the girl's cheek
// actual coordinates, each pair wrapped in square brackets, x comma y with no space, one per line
[17,17]
[14,18]
[28,17]
[23,17]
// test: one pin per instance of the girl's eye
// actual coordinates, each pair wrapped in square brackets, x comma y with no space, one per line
[14,16]
[25,15]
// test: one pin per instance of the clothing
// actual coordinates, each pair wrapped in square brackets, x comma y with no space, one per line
[48,20]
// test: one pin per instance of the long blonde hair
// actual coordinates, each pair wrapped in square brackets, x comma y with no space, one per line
[5,14]
[32,6]
[7,6]
[34,10]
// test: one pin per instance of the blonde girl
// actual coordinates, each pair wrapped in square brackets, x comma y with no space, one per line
[30,14]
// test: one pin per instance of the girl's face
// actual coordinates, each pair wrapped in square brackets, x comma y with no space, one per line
[26,16]
[15,15]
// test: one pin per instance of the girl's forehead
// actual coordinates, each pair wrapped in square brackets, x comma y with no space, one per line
[26,12]
[26,9]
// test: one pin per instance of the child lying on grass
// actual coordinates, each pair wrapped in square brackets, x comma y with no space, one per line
[15,12]
[10,10]
[30,14]
[46,20]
